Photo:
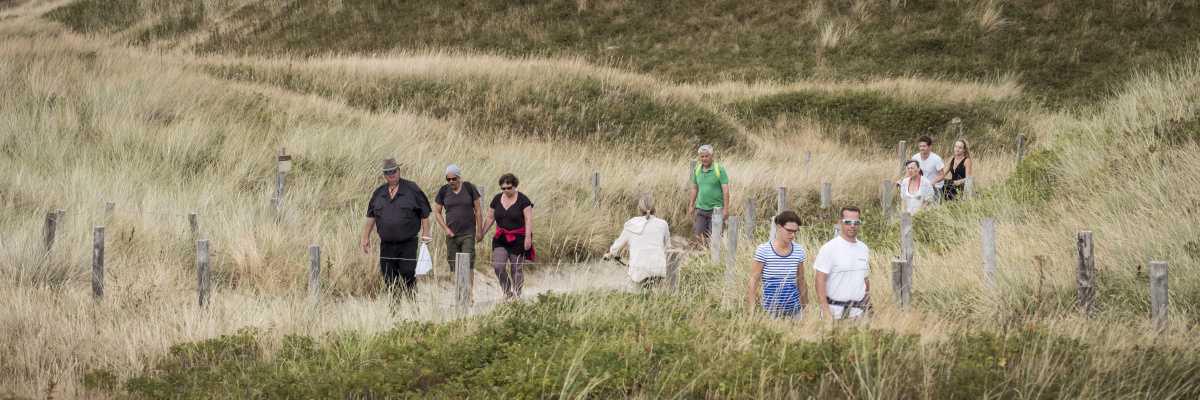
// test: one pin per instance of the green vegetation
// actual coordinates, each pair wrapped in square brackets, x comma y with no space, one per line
[656,345]
[581,109]
[886,120]
[1062,50]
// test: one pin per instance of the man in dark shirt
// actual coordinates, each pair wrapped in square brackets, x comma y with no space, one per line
[460,200]
[397,211]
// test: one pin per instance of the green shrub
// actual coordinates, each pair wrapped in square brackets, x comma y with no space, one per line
[95,16]
[1036,179]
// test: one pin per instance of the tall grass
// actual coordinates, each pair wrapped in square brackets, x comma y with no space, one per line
[83,122]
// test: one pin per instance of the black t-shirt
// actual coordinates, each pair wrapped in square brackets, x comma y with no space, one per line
[398,219]
[511,218]
[460,207]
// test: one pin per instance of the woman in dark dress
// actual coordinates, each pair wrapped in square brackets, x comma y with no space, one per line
[958,170]
[512,244]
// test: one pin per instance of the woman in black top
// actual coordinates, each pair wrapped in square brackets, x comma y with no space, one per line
[958,170]
[512,244]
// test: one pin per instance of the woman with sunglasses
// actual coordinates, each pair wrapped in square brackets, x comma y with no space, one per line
[777,273]
[512,243]
[915,190]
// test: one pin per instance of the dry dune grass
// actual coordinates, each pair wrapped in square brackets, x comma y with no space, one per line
[82,123]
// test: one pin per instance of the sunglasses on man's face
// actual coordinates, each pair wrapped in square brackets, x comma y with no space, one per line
[853,222]
[389,173]
[452,179]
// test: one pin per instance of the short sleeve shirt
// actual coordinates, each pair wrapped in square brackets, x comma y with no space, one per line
[460,207]
[930,166]
[847,266]
[398,218]
[709,193]
[779,291]
[510,218]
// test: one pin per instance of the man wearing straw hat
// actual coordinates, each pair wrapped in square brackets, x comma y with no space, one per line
[397,211]
[710,189]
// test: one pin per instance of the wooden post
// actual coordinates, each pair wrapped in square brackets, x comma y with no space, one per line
[1158,294]
[1086,273]
[109,209]
[202,276]
[988,235]
[714,239]
[731,251]
[283,165]
[673,259]
[902,281]
[969,188]
[314,273]
[781,200]
[885,191]
[826,194]
[194,224]
[837,229]
[98,263]
[902,154]
[49,230]
[807,163]
[906,237]
[595,190]
[462,280]
[749,219]
[1020,148]
[957,123]
[62,216]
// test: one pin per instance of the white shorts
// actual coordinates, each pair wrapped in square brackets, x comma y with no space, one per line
[855,312]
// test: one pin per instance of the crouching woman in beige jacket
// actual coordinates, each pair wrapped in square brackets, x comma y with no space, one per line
[648,238]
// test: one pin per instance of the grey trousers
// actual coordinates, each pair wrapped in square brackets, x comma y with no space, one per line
[508,271]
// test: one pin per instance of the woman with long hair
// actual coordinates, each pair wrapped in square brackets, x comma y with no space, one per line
[959,169]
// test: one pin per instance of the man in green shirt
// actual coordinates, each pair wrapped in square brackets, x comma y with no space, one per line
[710,189]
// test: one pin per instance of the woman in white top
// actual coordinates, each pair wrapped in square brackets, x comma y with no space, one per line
[915,190]
[649,238]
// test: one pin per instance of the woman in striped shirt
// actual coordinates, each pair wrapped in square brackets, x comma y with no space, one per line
[777,276]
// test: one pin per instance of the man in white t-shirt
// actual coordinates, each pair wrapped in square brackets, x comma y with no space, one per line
[931,164]
[841,271]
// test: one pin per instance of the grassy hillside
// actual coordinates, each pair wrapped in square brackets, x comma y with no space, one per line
[1063,50]
[85,119]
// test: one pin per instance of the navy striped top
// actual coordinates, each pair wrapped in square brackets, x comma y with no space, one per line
[779,291]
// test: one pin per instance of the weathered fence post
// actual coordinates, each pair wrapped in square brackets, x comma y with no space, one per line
[314,273]
[837,229]
[1159,300]
[826,194]
[906,237]
[109,209]
[202,276]
[750,219]
[781,200]
[902,154]
[885,198]
[957,123]
[462,280]
[731,250]
[194,224]
[1086,273]
[283,165]
[98,263]
[969,188]
[902,281]
[595,190]
[1020,148]
[807,163]
[50,229]
[714,240]
[674,257]
[988,235]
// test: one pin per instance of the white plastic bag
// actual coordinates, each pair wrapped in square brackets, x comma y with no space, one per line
[424,261]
